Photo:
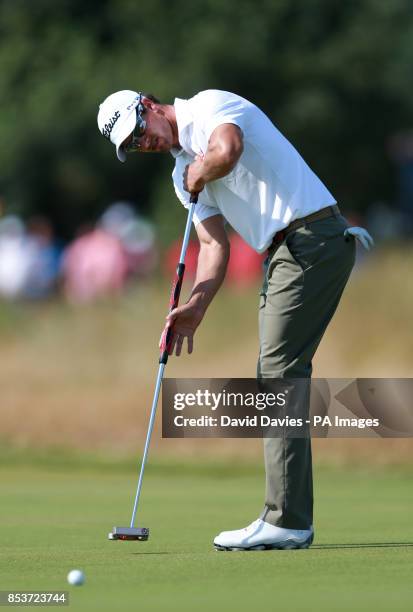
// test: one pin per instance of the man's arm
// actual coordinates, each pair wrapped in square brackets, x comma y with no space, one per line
[212,264]
[225,147]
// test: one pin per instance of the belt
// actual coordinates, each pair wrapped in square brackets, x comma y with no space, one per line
[324,213]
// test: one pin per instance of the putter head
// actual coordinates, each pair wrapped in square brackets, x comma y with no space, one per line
[129,533]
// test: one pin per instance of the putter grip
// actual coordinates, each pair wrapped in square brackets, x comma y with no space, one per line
[173,303]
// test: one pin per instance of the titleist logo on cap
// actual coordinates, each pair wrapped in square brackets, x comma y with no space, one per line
[108,127]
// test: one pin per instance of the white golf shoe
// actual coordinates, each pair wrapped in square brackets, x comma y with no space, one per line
[262,536]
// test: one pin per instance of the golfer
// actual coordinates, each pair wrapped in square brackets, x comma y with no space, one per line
[247,174]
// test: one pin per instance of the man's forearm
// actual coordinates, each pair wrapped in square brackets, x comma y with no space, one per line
[224,150]
[212,265]
[216,164]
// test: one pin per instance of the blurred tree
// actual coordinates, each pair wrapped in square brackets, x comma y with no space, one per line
[334,76]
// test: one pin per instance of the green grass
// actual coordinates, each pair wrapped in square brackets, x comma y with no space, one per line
[54,520]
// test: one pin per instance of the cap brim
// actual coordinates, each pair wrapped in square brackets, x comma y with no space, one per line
[127,129]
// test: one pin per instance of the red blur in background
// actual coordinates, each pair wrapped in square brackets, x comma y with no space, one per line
[244,267]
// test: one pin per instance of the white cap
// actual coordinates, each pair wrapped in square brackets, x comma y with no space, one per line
[117,118]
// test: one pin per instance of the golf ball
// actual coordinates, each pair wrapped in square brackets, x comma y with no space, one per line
[76,577]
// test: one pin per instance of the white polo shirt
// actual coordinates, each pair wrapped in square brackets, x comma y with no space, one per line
[270,186]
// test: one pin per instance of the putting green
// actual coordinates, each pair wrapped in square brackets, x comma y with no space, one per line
[54,520]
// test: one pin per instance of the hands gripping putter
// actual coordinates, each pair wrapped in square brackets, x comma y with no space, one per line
[142,533]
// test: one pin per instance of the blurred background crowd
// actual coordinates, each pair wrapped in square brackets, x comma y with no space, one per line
[98,262]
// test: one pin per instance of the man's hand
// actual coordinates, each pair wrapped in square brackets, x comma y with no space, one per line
[184,320]
[193,181]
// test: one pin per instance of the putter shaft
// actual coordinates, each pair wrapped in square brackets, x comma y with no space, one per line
[176,289]
[148,440]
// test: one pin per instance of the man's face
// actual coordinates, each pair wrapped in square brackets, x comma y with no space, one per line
[158,135]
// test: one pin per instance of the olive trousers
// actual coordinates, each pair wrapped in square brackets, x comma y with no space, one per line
[305,276]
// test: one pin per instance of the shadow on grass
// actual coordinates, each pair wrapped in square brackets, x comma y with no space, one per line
[314,547]
[155,553]
[372,545]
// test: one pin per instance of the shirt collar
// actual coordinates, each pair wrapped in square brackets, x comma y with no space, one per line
[184,121]
[183,113]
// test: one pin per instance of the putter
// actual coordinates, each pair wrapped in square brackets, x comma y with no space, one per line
[142,533]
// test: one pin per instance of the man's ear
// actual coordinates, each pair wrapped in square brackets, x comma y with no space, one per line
[148,103]
[155,108]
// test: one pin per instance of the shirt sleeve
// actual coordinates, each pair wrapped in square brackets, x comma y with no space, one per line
[219,108]
[206,206]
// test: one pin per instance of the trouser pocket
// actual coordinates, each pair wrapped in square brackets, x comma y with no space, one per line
[320,242]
